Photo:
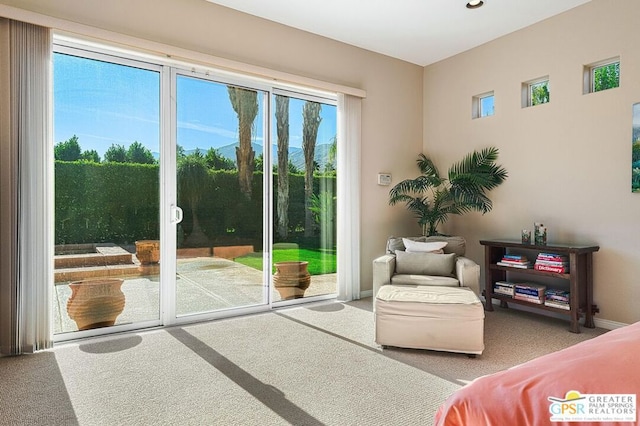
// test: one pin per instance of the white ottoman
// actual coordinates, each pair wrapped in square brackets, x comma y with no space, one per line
[428,317]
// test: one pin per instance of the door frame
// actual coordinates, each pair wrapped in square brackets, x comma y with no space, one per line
[168,69]
[169,189]
[77,49]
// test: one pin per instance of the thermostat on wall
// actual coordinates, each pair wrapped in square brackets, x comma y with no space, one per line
[384,178]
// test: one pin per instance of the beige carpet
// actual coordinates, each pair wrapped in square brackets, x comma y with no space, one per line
[313,365]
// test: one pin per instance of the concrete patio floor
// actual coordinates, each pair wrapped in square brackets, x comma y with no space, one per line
[204,284]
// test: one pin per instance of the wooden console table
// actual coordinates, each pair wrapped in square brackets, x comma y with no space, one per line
[580,277]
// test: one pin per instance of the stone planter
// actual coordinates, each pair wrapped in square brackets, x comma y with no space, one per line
[148,251]
[291,279]
[95,303]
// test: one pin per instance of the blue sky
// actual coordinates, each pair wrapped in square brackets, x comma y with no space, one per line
[105,104]
[486,106]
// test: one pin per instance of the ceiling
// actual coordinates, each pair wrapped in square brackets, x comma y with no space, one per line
[417,31]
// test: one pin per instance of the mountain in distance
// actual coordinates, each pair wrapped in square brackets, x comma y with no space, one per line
[296,155]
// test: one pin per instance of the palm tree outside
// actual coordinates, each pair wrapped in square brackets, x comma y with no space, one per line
[245,104]
[282,129]
[310,122]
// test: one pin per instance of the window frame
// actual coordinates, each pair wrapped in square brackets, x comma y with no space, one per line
[527,91]
[477,110]
[590,70]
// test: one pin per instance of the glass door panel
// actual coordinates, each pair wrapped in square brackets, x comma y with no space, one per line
[304,197]
[219,136]
[107,133]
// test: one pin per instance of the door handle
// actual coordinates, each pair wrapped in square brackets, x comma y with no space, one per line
[176,214]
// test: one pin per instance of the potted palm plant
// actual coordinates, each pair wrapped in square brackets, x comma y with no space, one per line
[433,198]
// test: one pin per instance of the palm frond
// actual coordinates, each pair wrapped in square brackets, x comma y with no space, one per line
[475,161]
[410,188]
[400,198]
[418,205]
[477,171]
[470,201]
[426,166]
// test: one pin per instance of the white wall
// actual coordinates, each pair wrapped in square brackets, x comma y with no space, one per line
[569,161]
[391,113]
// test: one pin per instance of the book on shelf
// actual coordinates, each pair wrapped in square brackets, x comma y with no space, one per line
[521,265]
[531,288]
[515,261]
[553,257]
[549,292]
[515,257]
[551,263]
[503,287]
[550,268]
[525,297]
[530,292]
[557,298]
[503,291]
[557,304]
[547,254]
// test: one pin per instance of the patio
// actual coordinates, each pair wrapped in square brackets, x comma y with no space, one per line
[203,284]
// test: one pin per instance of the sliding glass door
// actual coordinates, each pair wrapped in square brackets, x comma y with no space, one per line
[107,193]
[220,189]
[182,196]
[305,197]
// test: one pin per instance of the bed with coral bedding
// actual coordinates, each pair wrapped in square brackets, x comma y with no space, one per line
[524,395]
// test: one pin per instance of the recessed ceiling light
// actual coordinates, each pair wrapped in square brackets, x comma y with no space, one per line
[474,4]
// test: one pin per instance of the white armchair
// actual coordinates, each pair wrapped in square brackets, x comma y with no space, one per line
[409,269]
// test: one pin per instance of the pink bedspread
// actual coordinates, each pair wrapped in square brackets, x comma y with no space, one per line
[607,364]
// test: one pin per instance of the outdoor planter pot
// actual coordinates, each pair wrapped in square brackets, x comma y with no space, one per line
[95,303]
[291,279]
[148,251]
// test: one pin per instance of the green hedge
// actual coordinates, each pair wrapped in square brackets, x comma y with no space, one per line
[110,202]
[118,202]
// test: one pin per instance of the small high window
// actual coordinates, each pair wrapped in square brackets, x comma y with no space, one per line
[483,105]
[535,92]
[602,75]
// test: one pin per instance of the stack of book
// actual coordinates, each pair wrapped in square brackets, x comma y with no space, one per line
[515,261]
[530,292]
[556,298]
[552,262]
[503,287]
